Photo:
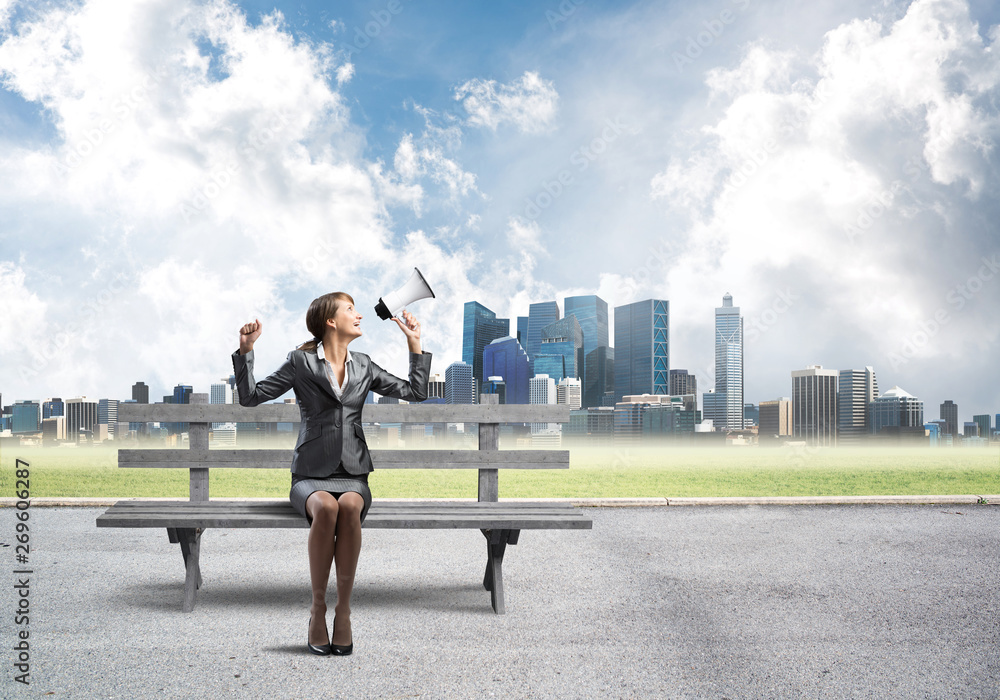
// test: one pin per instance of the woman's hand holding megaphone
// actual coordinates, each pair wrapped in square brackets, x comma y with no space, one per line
[411,329]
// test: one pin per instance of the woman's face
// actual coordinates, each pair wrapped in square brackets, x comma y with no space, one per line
[347,321]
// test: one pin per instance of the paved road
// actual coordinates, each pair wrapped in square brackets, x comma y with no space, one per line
[701,602]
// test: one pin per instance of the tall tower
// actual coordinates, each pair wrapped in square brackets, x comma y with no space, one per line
[480,327]
[814,405]
[725,407]
[683,382]
[542,389]
[592,313]
[949,414]
[564,338]
[505,357]
[642,348]
[540,315]
[81,415]
[856,390]
[599,375]
[140,392]
[458,384]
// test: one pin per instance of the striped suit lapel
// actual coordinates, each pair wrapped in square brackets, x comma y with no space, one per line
[317,368]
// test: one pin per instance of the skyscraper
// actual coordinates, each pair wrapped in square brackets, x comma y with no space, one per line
[569,392]
[480,327]
[53,408]
[107,414]
[563,337]
[949,414]
[983,421]
[221,392]
[896,409]
[26,417]
[550,364]
[725,409]
[435,387]
[522,330]
[542,390]
[775,419]
[182,394]
[505,357]
[140,392]
[81,416]
[814,405]
[642,348]
[682,382]
[592,313]
[856,390]
[540,315]
[598,375]
[458,383]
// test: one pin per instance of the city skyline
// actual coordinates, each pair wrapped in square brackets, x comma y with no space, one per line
[185,167]
[840,408]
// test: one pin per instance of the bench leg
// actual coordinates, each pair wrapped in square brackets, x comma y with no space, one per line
[190,541]
[496,545]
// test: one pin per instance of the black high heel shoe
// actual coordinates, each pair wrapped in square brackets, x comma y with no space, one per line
[337,649]
[318,649]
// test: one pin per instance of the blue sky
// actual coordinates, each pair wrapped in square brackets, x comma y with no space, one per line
[173,169]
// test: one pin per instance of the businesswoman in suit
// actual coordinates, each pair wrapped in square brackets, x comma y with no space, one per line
[331,462]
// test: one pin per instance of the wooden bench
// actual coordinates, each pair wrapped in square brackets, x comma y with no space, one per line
[500,523]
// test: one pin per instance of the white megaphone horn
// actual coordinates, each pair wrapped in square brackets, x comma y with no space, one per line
[392,303]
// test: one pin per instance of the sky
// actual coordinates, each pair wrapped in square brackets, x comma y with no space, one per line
[172,169]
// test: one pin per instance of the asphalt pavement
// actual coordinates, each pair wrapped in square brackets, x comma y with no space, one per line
[731,601]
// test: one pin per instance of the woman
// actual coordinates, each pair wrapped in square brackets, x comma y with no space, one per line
[331,462]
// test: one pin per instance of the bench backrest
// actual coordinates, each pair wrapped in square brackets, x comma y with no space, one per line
[199,415]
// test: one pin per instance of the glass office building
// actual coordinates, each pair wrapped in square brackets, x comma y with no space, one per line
[52,408]
[726,409]
[553,365]
[592,313]
[522,330]
[540,315]
[598,375]
[565,338]
[642,348]
[505,357]
[480,327]
[26,417]
[983,421]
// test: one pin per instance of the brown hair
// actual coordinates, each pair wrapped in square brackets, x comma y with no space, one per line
[321,309]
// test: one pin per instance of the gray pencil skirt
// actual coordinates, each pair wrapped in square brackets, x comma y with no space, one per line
[302,489]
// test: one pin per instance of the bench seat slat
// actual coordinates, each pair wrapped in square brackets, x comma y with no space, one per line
[382,459]
[426,515]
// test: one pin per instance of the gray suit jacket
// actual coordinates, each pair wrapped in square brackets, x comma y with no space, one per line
[331,430]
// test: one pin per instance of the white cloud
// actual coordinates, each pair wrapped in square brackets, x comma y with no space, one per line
[529,103]
[413,161]
[524,235]
[6,9]
[22,323]
[826,174]
[344,73]
[212,158]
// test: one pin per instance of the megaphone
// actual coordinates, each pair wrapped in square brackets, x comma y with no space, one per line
[392,303]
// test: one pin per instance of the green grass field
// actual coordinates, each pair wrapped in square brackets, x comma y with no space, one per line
[594,473]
